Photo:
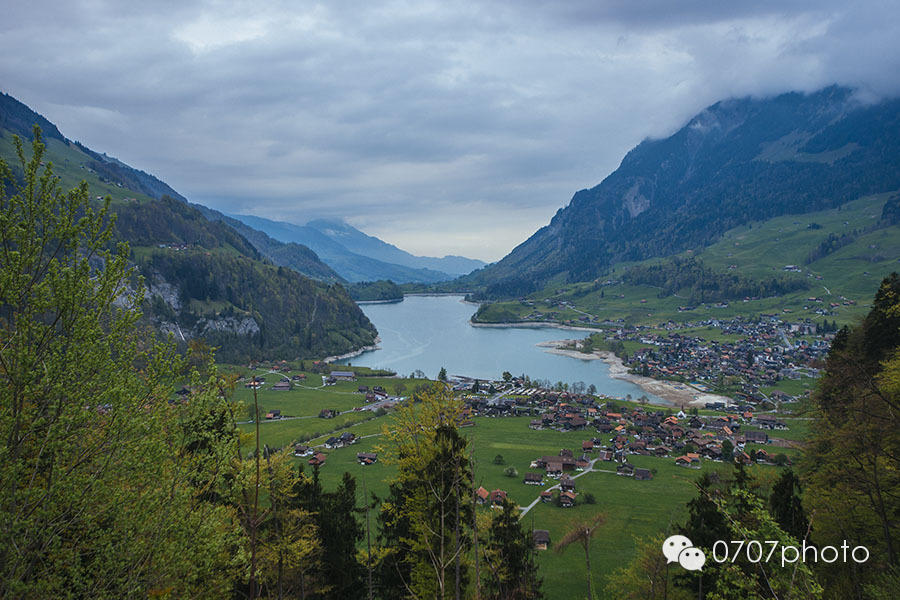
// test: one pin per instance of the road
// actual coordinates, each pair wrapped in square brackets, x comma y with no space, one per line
[590,469]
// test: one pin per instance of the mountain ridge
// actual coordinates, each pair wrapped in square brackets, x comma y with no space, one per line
[350,265]
[736,161]
[204,279]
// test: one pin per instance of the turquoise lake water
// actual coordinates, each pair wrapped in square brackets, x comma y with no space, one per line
[429,332]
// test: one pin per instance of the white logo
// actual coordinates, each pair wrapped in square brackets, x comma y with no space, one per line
[678,548]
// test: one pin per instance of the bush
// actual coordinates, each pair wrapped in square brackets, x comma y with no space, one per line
[589,498]
[511,472]
[498,460]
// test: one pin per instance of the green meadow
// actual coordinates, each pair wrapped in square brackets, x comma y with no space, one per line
[759,250]
[632,508]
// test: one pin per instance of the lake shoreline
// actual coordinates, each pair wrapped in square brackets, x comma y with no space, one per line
[672,392]
[535,325]
[375,346]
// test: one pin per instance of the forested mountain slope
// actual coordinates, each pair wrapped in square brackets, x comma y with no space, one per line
[737,161]
[203,278]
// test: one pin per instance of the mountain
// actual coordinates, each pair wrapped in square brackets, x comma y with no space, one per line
[358,242]
[295,256]
[203,278]
[738,161]
[350,265]
[18,119]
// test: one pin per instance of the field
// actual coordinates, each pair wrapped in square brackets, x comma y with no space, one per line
[633,508]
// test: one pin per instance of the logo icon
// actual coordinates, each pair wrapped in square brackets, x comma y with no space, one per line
[678,548]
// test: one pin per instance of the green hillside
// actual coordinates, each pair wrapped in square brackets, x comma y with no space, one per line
[203,279]
[758,252]
[738,161]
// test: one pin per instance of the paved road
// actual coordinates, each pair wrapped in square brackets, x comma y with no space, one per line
[590,469]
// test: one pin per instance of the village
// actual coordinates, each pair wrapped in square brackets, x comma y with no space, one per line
[749,356]
[614,431]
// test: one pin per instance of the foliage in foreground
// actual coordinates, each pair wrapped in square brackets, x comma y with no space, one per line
[106,484]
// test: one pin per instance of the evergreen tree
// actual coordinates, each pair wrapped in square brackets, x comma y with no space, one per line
[425,520]
[509,567]
[786,507]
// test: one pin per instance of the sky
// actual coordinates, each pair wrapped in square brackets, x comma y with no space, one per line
[441,127]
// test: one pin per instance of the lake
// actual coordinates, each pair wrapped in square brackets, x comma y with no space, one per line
[429,332]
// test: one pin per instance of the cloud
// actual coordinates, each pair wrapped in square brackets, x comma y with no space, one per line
[442,127]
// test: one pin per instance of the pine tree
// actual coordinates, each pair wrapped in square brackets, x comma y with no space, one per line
[425,519]
[786,506]
[509,565]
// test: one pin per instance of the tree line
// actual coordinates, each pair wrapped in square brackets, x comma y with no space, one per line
[704,284]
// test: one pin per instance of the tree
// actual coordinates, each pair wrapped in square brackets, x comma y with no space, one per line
[727,449]
[425,519]
[786,507]
[507,376]
[851,469]
[510,568]
[646,576]
[442,374]
[511,471]
[499,460]
[582,533]
[291,550]
[106,479]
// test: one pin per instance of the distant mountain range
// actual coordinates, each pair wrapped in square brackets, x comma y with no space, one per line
[737,161]
[356,256]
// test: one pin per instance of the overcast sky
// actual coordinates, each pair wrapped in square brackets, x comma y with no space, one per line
[442,127]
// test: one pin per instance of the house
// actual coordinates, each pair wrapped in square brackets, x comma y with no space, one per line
[546,496]
[566,484]
[567,499]
[626,469]
[554,469]
[343,375]
[643,474]
[255,383]
[587,446]
[688,460]
[363,389]
[282,386]
[273,414]
[302,450]
[366,458]
[333,442]
[498,497]
[482,495]
[756,437]
[533,479]
[541,539]
[298,377]
[327,413]
[317,460]
[347,438]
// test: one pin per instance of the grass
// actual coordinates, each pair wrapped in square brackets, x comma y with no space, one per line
[758,250]
[67,165]
[632,508]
